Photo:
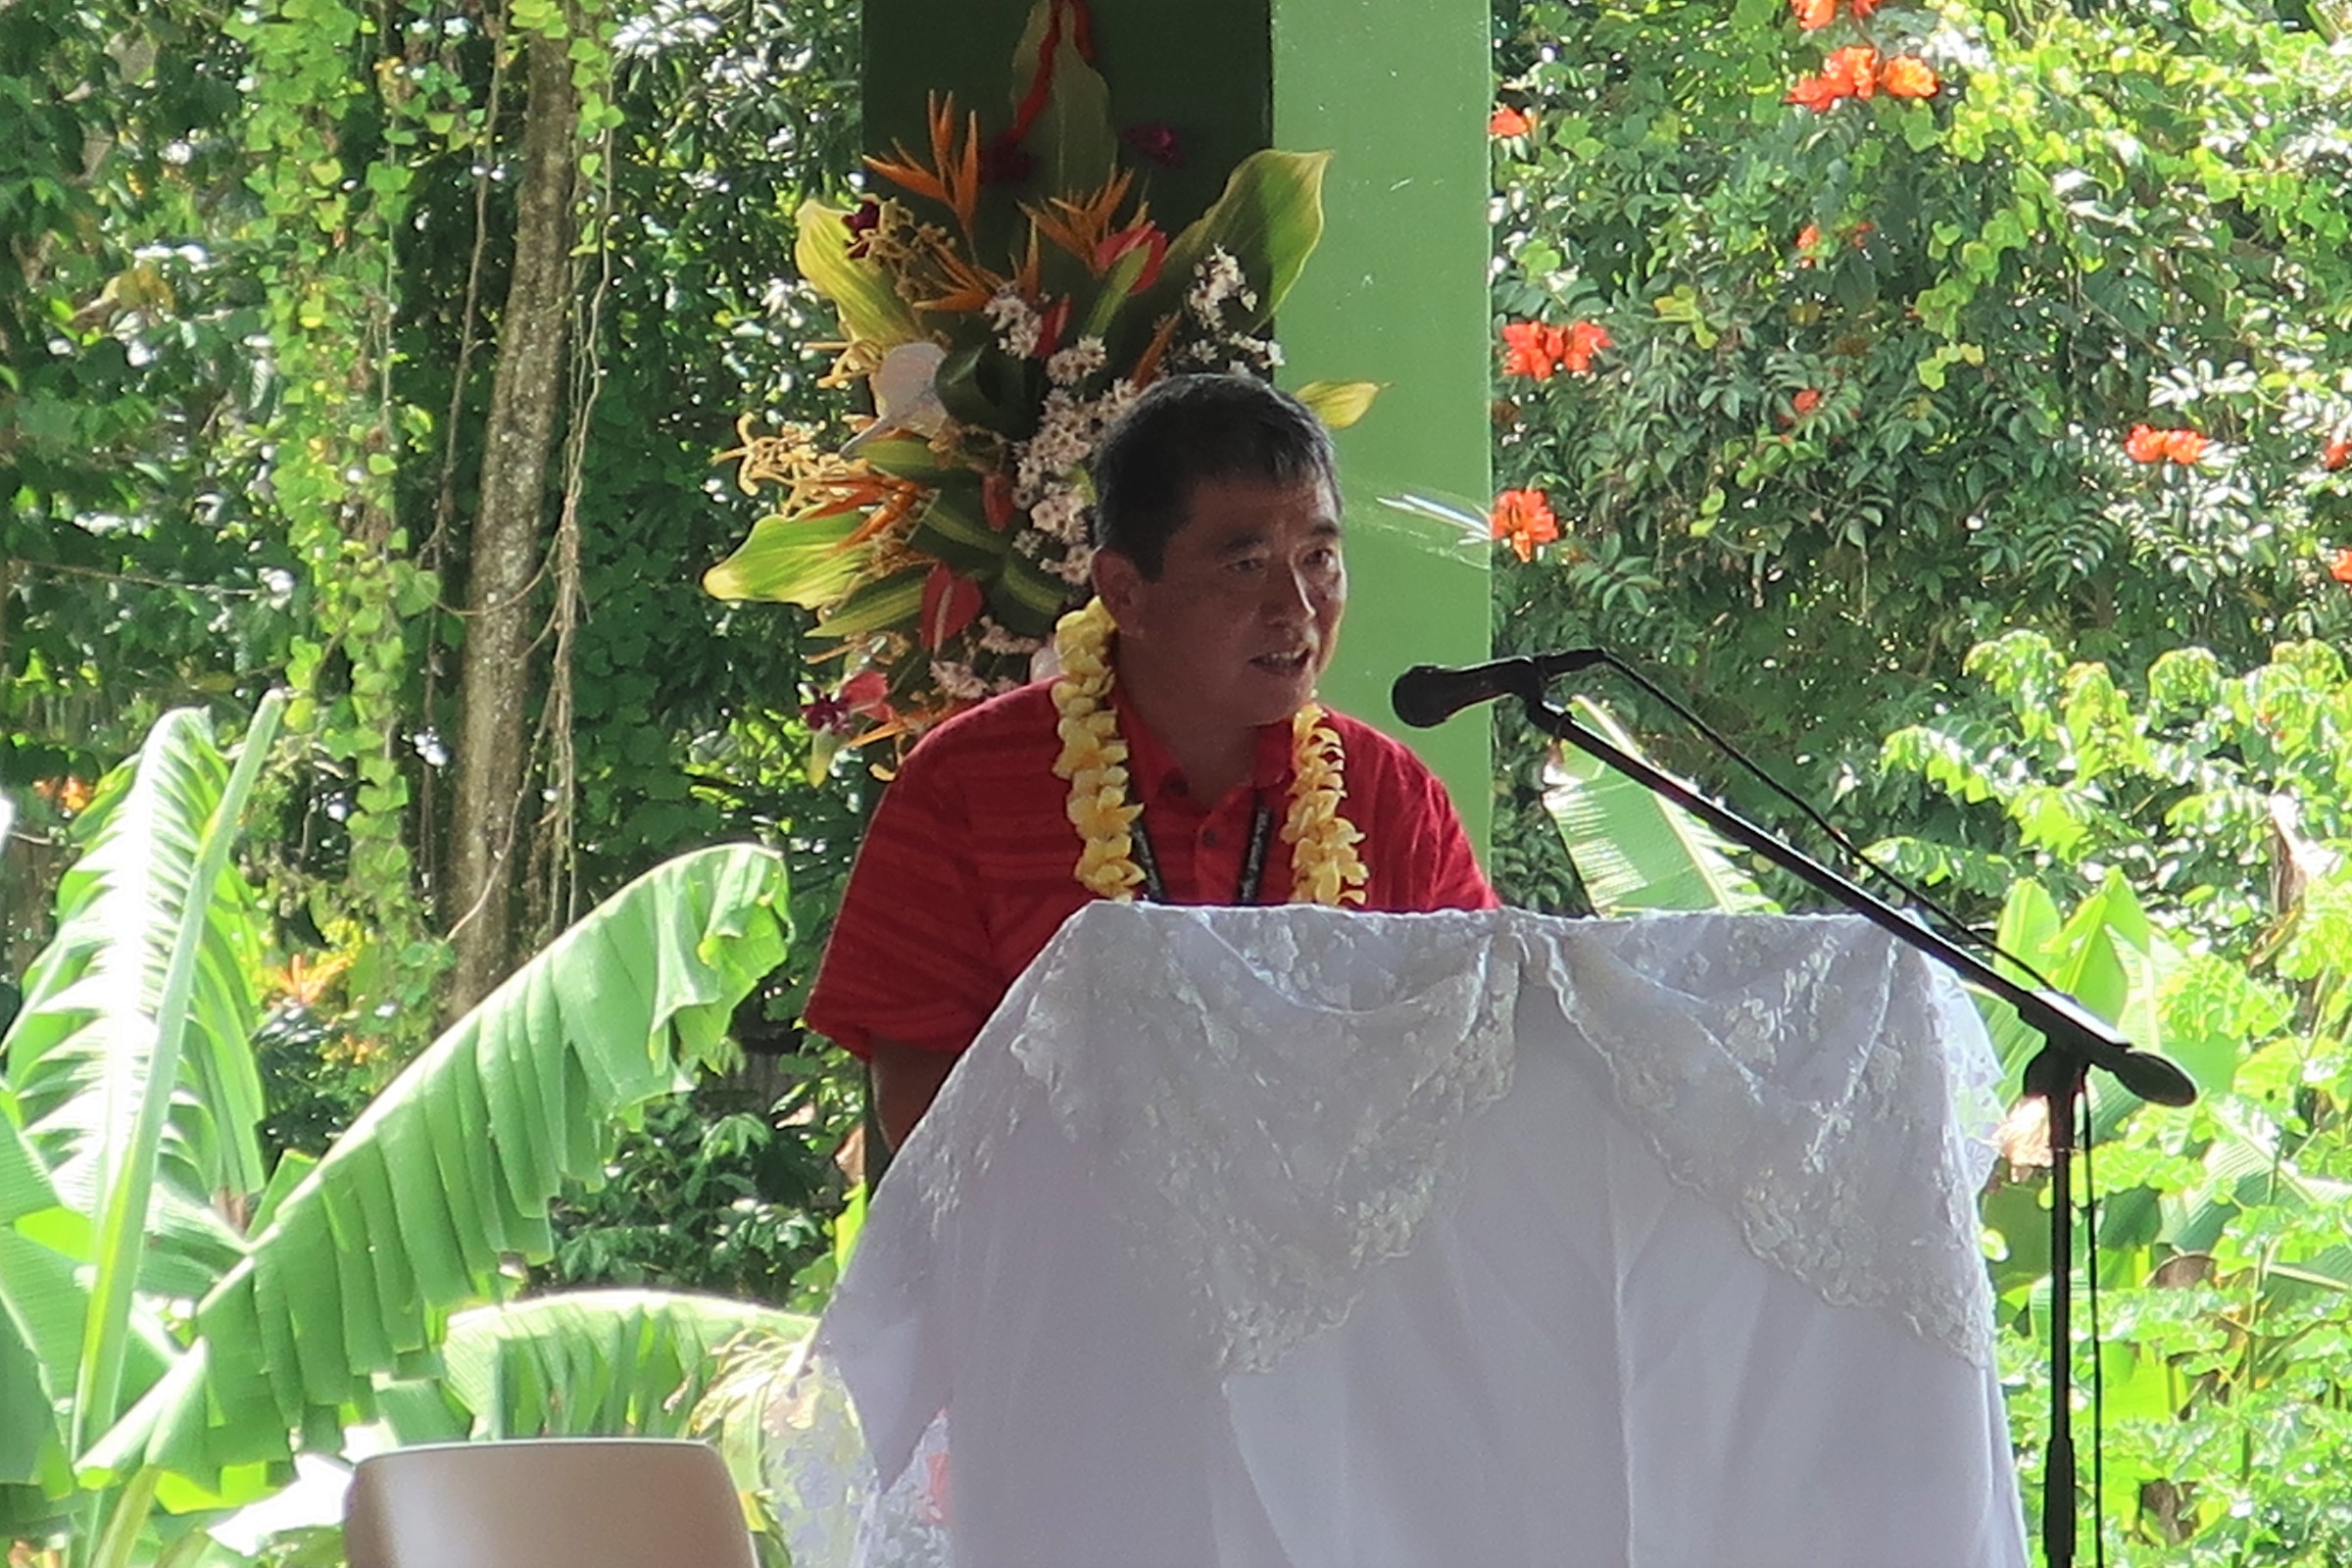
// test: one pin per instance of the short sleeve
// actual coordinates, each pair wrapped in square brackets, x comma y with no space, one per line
[1446,872]
[910,959]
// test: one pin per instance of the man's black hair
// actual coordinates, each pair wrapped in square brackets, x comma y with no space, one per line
[1188,428]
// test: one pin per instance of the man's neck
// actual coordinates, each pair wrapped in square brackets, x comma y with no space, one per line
[1211,757]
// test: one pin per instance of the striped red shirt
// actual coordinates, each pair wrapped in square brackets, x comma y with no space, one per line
[969,866]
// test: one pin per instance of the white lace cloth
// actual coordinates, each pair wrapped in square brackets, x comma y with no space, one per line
[1292,1237]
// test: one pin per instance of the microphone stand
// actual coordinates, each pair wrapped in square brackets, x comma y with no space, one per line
[2074,1041]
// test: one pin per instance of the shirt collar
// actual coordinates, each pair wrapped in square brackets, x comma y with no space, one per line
[1152,767]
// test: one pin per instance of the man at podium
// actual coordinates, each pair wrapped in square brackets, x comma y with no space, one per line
[1179,756]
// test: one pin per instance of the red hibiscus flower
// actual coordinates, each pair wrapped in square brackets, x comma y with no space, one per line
[1509,122]
[2337,454]
[1523,519]
[1814,14]
[1806,401]
[2340,568]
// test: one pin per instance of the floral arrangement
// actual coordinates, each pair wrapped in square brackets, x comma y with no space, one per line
[998,336]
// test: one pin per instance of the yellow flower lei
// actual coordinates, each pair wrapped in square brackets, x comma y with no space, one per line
[1325,867]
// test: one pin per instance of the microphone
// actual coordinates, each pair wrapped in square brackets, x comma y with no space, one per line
[1427,695]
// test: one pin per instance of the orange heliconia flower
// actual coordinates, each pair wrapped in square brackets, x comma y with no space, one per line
[2148,444]
[2338,452]
[1585,339]
[1509,122]
[1523,519]
[1909,77]
[2340,568]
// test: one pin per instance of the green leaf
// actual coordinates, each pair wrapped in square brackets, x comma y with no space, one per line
[595,1363]
[1269,220]
[514,1098]
[886,602]
[1634,850]
[791,561]
[1339,403]
[871,311]
[953,529]
[132,1009]
[1072,142]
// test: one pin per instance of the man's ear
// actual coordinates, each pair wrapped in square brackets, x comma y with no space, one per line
[1118,583]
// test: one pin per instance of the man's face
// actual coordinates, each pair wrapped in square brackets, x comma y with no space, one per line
[1241,621]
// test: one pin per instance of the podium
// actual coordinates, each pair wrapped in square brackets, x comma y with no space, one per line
[1299,1239]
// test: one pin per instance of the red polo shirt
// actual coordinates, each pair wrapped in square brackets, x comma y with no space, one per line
[968,868]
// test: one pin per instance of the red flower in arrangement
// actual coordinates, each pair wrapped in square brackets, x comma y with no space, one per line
[1148,236]
[1585,339]
[1156,141]
[2338,452]
[996,502]
[951,603]
[861,225]
[2148,444]
[2340,568]
[1523,519]
[1909,77]
[1509,122]
[868,695]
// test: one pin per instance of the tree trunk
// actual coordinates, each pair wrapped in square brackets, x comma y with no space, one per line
[496,679]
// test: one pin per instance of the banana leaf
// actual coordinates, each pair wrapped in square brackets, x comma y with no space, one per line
[589,1363]
[1635,851]
[416,1209]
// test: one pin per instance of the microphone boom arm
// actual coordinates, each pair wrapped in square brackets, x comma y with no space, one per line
[2056,1018]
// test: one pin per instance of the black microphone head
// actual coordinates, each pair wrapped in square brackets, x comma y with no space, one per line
[1423,697]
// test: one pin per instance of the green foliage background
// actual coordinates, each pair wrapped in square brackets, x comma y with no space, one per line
[248,310]
[2096,703]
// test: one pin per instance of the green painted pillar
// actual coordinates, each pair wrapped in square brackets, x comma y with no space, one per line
[1399,92]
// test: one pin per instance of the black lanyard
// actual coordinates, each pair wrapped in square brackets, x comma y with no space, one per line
[1253,862]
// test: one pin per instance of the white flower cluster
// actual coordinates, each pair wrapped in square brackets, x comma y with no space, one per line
[1219,279]
[996,638]
[958,681]
[1016,320]
[1073,365]
[1077,568]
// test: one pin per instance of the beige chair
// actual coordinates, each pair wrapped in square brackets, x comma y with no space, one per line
[558,1502]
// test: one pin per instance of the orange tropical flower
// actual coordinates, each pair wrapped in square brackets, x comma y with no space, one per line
[1806,238]
[1532,349]
[2148,444]
[1909,77]
[1585,339]
[2337,454]
[2340,568]
[1848,73]
[1806,401]
[1814,14]
[1863,8]
[1523,519]
[1509,122]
